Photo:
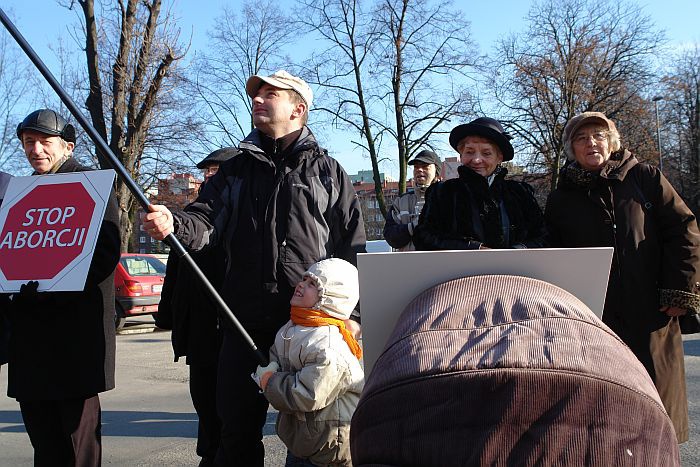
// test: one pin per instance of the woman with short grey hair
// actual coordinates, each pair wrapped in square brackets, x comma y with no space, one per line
[606,126]
[606,197]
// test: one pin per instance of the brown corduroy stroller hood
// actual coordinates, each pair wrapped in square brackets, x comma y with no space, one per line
[504,370]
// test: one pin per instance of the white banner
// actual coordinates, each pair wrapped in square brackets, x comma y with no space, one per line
[390,281]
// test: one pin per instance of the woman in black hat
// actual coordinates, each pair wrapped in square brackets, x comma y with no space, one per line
[480,209]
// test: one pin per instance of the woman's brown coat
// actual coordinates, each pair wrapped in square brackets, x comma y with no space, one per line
[634,208]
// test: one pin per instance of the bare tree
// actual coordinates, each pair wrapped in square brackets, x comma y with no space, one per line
[239,47]
[575,55]
[131,103]
[424,54]
[394,70]
[17,83]
[681,119]
[343,69]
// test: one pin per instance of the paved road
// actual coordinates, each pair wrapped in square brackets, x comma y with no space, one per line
[149,420]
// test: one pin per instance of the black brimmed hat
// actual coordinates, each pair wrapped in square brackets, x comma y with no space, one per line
[217,157]
[487,128]
[427,157]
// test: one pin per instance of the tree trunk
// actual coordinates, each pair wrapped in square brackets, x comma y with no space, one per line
[126,205]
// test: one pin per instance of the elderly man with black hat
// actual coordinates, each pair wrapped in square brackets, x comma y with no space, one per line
[188,309]
[402,218]
[481,209]
[62,344]
[280,205]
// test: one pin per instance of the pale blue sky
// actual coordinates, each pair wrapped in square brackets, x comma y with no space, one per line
[41,25]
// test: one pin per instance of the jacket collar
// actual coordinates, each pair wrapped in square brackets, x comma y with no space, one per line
[253,143]
[618,165]
[616,168]
[58,167]
[278,146]
[469,176]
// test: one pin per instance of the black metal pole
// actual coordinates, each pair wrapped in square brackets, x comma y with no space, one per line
[126,178]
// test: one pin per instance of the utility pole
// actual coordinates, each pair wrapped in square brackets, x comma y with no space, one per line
[656,100]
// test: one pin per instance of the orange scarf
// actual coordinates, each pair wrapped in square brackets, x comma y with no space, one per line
[314,318]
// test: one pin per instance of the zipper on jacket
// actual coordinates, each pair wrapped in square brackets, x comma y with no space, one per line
[610,209]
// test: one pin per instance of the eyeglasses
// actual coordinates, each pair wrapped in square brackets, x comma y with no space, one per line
[598,137]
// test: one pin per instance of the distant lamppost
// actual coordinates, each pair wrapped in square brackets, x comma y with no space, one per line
[656,100]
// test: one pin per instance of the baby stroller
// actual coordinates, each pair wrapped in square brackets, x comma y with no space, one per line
[506,370]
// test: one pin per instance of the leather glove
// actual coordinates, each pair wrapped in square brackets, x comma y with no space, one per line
[261,370]
[28,295]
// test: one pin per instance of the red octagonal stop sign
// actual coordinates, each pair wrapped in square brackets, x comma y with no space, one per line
[45,231]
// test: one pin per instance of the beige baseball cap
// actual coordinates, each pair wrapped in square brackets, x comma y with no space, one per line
[282,80]
[584,118]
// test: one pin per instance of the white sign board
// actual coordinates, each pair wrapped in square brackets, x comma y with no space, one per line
[48,228]
[390,281]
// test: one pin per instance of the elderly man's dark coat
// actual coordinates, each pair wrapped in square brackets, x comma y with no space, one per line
[465,213]
[188,309]
[62,346]
[632,207]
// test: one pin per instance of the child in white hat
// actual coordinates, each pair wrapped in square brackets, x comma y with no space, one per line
[314,378]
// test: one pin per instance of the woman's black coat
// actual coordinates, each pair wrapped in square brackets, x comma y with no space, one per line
[466,212]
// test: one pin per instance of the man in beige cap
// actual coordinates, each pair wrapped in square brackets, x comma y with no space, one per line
[262,88]
[277,207]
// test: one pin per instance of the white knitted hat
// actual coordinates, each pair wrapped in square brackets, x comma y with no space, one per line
[338,286]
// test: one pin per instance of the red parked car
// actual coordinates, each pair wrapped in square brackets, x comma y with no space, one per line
[138,281]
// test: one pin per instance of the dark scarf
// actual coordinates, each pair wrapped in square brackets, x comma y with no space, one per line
[576,175]
[487,216]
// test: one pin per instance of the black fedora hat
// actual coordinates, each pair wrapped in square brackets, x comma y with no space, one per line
[217,157]
[488,128]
